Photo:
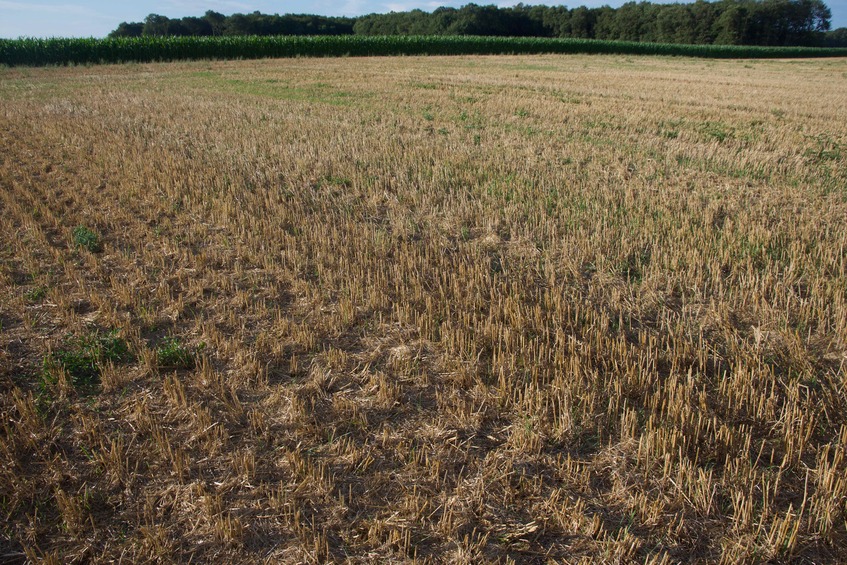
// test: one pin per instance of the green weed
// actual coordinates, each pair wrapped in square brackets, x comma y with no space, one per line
[36,294]
[171,354]
[81,359]
[87,239]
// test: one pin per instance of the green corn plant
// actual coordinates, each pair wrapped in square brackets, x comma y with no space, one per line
[61,51]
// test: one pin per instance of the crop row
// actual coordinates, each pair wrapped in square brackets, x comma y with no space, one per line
[59,51]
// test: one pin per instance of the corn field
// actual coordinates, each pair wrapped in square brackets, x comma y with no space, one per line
[36,52]
[513,309]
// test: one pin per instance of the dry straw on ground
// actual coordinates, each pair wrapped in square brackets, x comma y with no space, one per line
[447,310]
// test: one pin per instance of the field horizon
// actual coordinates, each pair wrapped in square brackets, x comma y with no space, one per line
[464,309]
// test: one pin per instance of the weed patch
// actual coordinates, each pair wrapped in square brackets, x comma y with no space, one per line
[172,354]
[81,358]
[87,239]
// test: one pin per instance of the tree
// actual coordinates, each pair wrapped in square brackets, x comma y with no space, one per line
[479,20]
[154,24]
[582,22]
[124,29]
[216,21]
[731,27]
[621,24]
[704,14]
[808,20]
[441,20]
[558,20]
[675,24]
[836,38]
[238,24]
[604,23]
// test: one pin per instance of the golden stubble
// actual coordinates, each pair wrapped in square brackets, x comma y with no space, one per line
[468,309]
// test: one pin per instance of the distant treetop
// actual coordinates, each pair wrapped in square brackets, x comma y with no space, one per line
[727,22]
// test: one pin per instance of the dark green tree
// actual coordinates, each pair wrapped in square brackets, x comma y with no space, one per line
[836,38]
[731,26]
[216,21]
[131,29]
[582,22]
[154,24]
[675,24]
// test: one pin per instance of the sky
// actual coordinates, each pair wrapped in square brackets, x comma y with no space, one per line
[96,18]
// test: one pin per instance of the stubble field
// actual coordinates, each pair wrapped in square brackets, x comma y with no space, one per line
[539,309]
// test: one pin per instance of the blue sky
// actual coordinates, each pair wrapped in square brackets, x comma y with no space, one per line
[85,18]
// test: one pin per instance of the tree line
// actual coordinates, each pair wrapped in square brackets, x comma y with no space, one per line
[726,22]
[215,23]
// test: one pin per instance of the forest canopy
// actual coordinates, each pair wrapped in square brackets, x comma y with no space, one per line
[727,22]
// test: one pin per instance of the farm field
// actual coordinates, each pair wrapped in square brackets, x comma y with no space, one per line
[511,309]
